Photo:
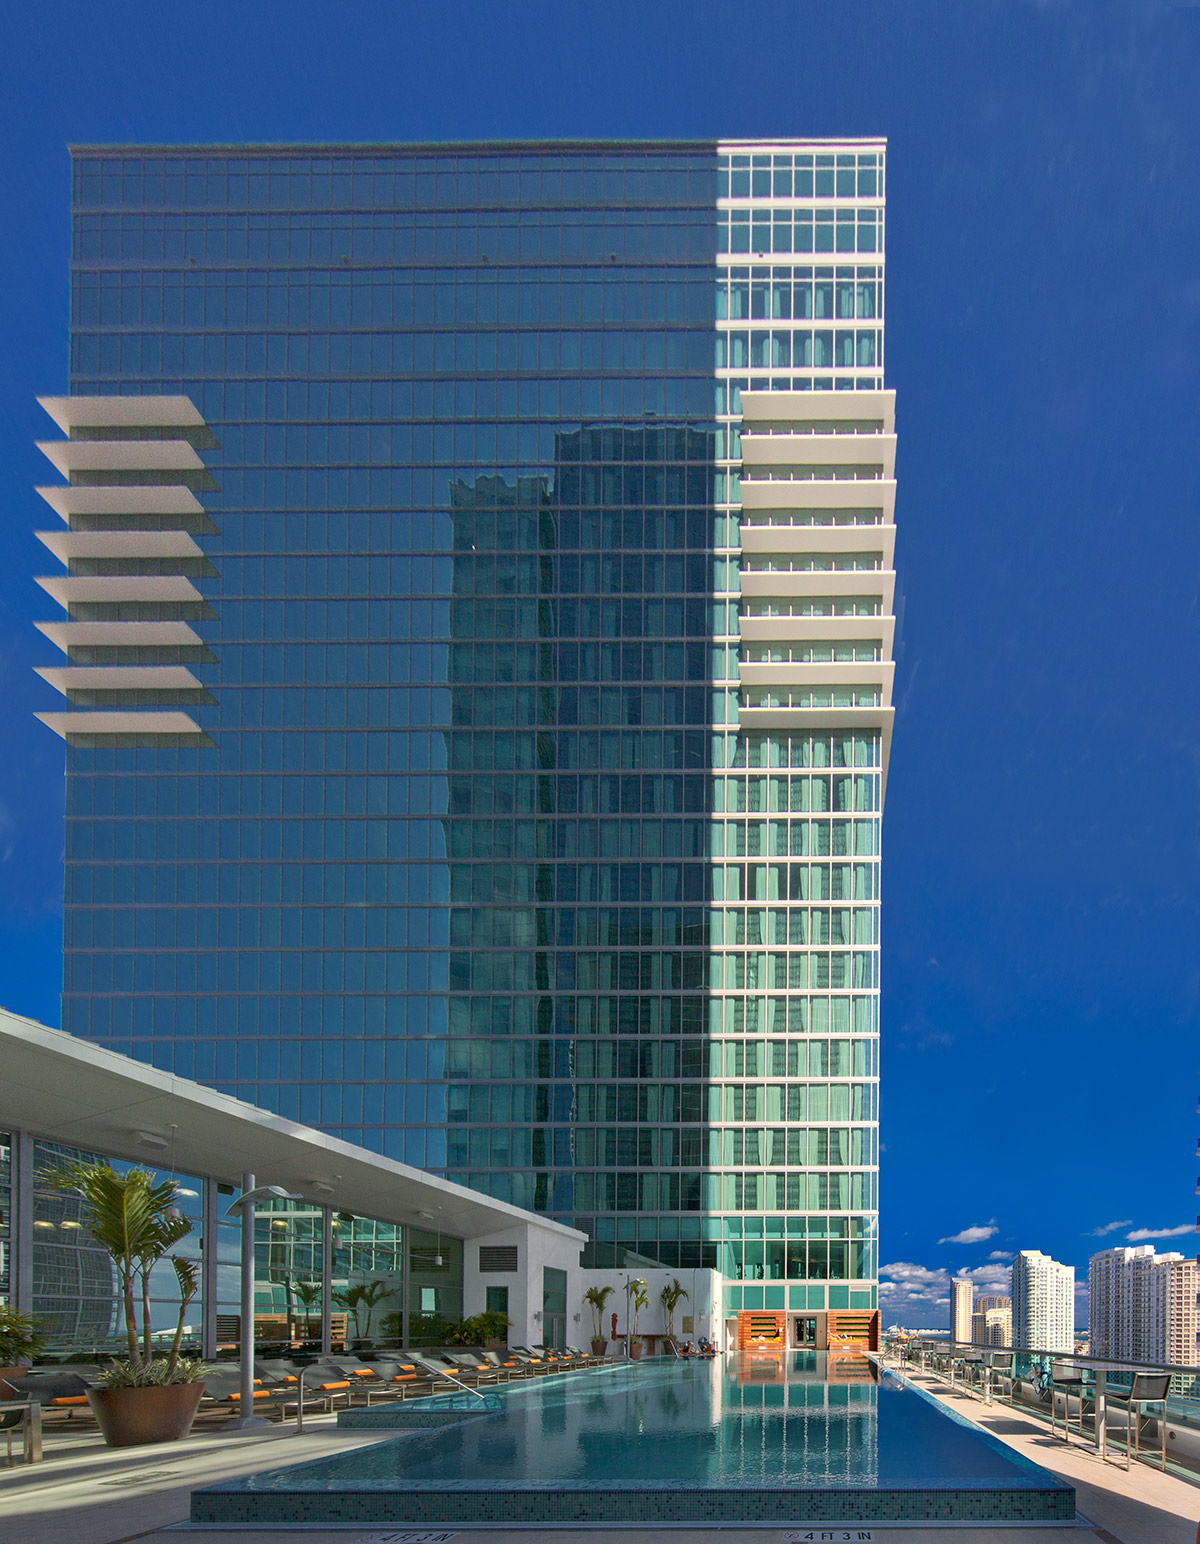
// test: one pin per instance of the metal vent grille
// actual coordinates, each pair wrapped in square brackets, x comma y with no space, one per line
[497,1257]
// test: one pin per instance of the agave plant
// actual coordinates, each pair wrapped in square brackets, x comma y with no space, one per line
[156,1374]
[135,1219]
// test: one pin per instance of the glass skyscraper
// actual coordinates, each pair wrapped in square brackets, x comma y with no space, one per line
[478,635]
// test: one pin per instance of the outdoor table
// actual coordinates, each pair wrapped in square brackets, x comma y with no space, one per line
[31,1426]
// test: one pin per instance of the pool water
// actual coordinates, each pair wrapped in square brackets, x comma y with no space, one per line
[833,1429]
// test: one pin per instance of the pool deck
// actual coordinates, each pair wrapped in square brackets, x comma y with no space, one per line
[87,1494]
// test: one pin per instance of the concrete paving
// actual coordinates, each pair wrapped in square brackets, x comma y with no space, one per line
[1143,1506]
[86,1493]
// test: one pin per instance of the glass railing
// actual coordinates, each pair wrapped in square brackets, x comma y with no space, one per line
[1087,1394]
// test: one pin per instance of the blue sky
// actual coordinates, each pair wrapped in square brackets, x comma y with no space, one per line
[1040,925]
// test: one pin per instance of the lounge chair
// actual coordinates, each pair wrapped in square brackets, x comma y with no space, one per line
[468,1362]
[58,1393]
[223,1388]
[450,1373]
[511,1364]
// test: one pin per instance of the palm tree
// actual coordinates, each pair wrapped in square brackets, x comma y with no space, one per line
[136,1221]
[637,1292]
[364,1295]
[670,1297]
[308,1295]
[596,1297]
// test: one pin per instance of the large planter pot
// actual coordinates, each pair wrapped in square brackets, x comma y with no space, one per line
[635,1347]
[599,1346]
[135,1417]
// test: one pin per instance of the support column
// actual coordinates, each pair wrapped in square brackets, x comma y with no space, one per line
[246,1418]
[209,1232]
[21,1284]
[326,1280]
[246,1314]
[405,1246]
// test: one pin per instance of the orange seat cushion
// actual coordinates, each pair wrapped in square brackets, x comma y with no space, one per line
[258,1394]
[70,1399]
[345,1384]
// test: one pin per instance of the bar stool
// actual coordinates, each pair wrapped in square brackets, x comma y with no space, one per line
[1147,1388]
[1000,1366]
[1069,1378]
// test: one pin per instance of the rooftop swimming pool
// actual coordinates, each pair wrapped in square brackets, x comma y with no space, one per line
[796,1437]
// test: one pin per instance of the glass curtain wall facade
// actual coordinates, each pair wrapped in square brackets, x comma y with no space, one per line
[458,865]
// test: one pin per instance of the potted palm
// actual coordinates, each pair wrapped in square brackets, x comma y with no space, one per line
[147,1397]
[637,1292]
[670,1297]
[20,1342]
[596,1297]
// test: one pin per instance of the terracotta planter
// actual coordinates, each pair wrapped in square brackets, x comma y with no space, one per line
[135,1417]
[599,1346]
[635,1347]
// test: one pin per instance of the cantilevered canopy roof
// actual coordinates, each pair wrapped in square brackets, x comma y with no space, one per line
[71,1091]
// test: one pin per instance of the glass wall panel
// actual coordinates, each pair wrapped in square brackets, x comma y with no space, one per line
[288,1262]
[435,1286]
[74,1285]
[462,876]
[367,1278]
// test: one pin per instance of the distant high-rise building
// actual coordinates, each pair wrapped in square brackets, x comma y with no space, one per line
[1142,1305]
[1043,1303]
[961,1293]
[991,1321]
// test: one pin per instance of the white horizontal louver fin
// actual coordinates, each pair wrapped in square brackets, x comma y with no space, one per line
[818,499]
[133,561]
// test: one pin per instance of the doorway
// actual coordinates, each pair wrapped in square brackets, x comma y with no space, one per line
[806,1331]
[554,1308]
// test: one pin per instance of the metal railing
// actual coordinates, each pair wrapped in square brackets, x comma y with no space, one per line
[1025,1378]
[465,1386]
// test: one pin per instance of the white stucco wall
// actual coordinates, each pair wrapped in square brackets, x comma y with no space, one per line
[536,1247]
[703,1303]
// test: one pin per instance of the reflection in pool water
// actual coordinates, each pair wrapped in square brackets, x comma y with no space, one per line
[795,1419]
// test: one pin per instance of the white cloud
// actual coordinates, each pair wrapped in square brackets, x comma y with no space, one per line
[917,1295]
[916,1276]
[995,1278]
[1111,1227]
[1139,1234]
[974,1235]
[1000,1254]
